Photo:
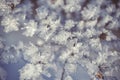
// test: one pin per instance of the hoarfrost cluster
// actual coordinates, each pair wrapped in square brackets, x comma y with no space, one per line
[56,37]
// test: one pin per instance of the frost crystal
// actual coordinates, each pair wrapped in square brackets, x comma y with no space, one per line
[30,28]
[10,24]
[61,37]
[30,71]
[68,78]
[89,12]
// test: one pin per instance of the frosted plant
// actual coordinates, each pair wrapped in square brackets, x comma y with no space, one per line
[10,55]
[61,37]
[72,6]
[10,24]
[68,78]
[90,12]
[31,53]
[4,8]
[65,55]
[80,25]
[91,23]
[30,71]
[15,2]
[2,46]
[30,28]
[55,3]
[42,12]
[69,24]
[58,39]
[71,68]
[48,26]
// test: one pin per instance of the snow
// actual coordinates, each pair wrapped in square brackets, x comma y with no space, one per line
[3,74]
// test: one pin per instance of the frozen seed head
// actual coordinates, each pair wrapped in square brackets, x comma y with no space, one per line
[12,6]
[103,36]
[99,75]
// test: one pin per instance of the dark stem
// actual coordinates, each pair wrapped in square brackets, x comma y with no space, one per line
[63,72]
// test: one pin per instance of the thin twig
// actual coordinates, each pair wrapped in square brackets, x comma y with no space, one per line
[63,72]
